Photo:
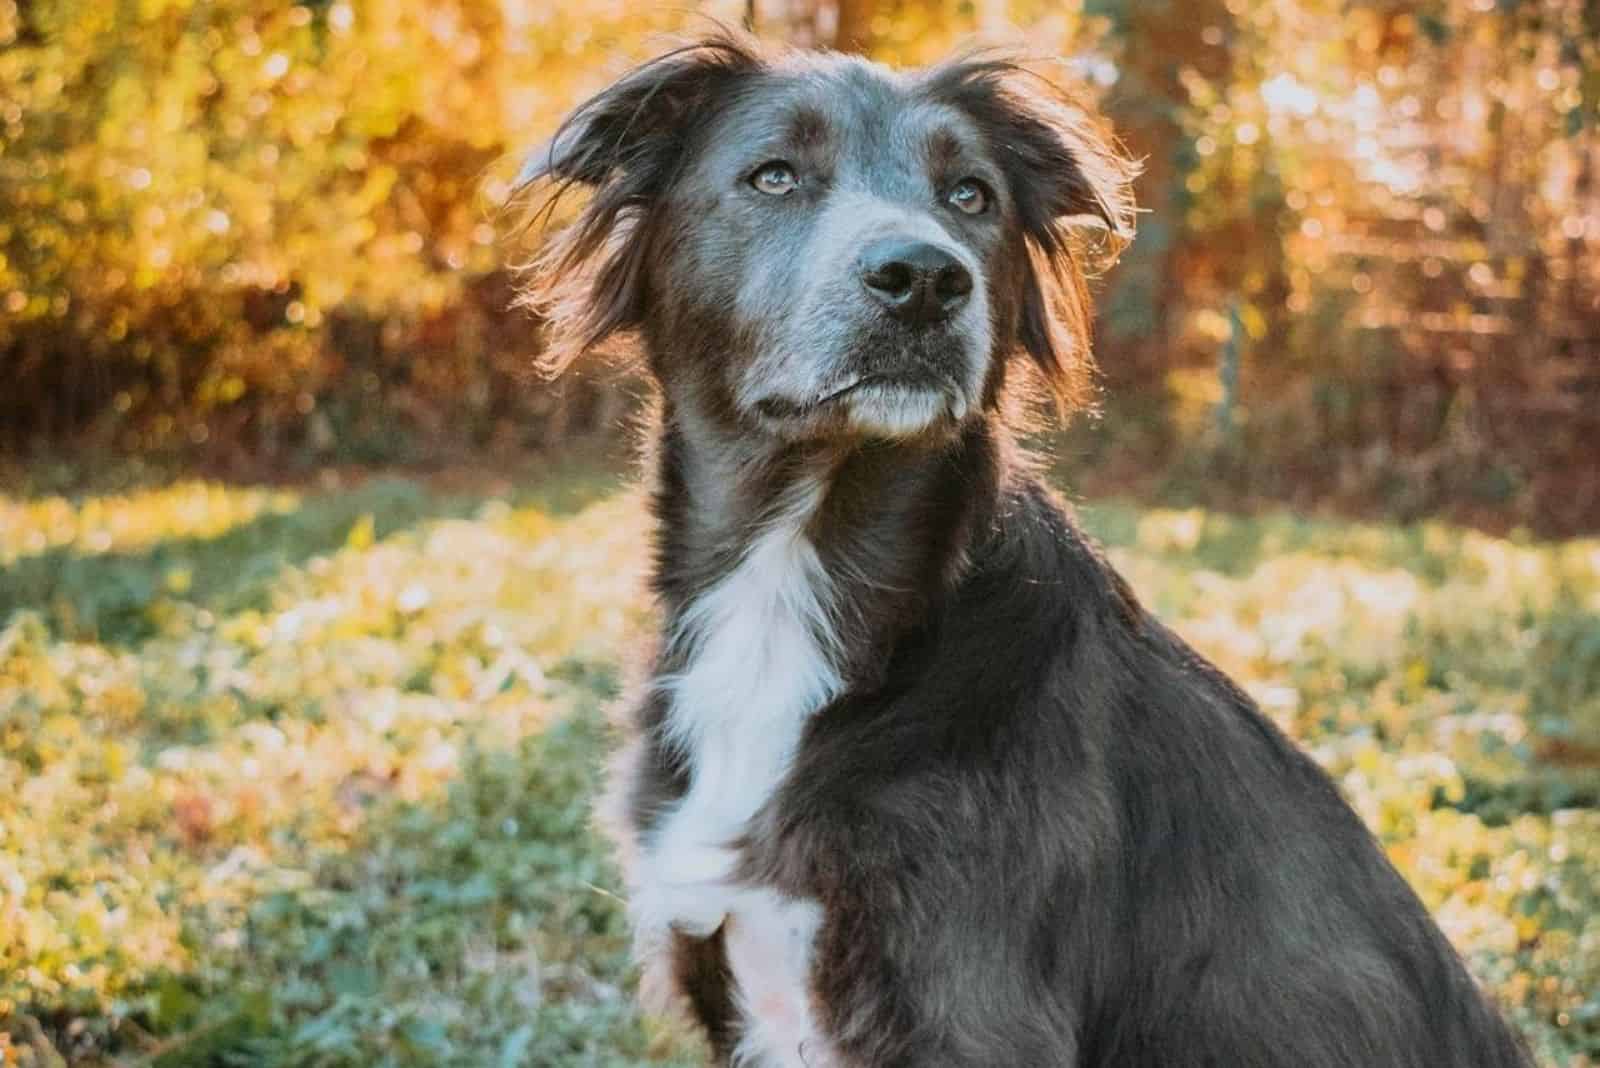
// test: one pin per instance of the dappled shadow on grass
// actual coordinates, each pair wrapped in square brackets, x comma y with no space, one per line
[479,926]
[120,597]
[107,597]
[480,929]
[1238,543]
[163,801]
[1470,609]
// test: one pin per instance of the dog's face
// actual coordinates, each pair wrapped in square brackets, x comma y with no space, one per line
[817,246]
[842,230]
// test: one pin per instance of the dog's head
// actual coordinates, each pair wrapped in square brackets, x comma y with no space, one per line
[813,245]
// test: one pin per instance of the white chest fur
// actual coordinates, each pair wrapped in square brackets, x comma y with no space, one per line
[761,658]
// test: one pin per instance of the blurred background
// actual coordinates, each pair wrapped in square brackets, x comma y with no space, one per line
[263,237]
[310,591]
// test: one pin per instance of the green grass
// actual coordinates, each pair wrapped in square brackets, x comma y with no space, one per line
[302,778]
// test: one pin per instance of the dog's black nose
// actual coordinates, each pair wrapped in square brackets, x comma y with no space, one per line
[918,283]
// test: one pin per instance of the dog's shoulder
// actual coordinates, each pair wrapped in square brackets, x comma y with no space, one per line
[1037,575]
[1047,638]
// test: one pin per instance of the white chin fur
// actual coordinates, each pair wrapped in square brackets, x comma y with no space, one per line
[899,412]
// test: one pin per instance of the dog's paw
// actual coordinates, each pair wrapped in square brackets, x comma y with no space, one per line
[683,888]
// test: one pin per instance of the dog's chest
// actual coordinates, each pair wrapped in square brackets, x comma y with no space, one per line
[760,660]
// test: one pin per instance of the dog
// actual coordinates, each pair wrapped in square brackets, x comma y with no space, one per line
[915,780]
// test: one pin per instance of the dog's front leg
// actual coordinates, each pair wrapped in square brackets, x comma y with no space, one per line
[681,893]
[677,888]
[682,885]
[914,965]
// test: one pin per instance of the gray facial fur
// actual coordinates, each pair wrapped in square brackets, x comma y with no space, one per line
[788,268]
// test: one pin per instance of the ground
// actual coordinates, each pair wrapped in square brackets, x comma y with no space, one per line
[300,777]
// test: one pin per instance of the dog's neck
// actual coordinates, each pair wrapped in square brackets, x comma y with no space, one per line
[893,524]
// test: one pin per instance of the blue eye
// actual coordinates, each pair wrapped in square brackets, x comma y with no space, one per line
[776,179]
[970,197]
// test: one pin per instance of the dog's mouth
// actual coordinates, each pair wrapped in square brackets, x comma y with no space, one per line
[788,408]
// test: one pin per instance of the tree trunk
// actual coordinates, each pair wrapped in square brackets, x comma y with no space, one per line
[842,24]
[853,25]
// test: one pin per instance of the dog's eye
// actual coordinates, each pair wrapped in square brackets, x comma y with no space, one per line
[970,197]
[775,179]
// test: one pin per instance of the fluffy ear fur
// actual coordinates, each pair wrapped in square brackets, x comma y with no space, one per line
[626,145]
[1063,169]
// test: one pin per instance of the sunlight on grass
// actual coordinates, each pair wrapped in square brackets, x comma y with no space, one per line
[337,814]
[132,522]
[280,810]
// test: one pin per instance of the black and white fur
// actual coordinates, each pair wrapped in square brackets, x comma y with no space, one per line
[915,780]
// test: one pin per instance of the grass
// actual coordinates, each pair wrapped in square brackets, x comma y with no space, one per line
[300,778]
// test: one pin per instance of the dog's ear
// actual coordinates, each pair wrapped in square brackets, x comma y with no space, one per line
[626,145]
[1064,173]
[636,125]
